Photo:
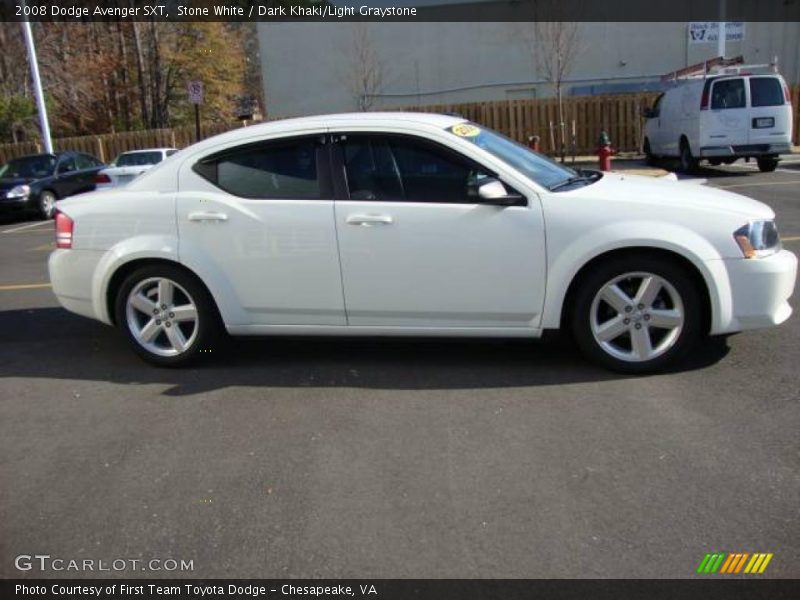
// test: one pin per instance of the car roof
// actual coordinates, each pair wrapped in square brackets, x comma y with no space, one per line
[358,119]
[147,150]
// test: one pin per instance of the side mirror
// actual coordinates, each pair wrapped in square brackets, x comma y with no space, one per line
[492,191]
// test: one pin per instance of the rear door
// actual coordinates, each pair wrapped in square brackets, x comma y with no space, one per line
[729,117]
[87,168]
[770,114]
[67,181]
[259,218]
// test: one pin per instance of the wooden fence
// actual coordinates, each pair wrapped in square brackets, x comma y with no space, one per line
[619,115]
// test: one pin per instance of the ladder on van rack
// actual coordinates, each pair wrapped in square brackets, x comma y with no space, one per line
[719,66]
[703,69]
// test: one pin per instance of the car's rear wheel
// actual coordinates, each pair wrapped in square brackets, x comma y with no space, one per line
[688,161]
[167,315]
[47,204]
[767,165]
[649,158]
[636,315]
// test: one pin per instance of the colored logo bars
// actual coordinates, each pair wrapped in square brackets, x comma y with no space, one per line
[734,562]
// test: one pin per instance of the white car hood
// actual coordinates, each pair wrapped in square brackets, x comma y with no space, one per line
[676,194]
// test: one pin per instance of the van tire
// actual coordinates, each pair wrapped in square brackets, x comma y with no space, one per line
[649,158]
[767,164]
[688,162]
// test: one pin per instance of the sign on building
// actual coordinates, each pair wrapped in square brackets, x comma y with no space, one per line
[706,32]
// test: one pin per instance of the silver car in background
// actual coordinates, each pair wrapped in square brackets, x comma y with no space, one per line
[130,165]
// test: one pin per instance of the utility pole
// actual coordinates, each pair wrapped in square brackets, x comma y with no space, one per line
[37,86]
[721,33]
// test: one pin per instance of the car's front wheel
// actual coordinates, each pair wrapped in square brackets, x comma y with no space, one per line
[47,204]
[167,315]
[637,315]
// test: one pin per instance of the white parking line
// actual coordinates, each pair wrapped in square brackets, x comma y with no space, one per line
[28,226]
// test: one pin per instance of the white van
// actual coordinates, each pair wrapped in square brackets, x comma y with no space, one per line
[721,117]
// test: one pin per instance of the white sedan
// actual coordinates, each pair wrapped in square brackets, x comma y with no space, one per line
[129,165]
[414,224]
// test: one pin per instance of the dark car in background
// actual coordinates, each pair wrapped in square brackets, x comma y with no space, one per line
[34,183]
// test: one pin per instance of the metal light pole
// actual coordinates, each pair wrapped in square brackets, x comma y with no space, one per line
[37,87]
[721,32]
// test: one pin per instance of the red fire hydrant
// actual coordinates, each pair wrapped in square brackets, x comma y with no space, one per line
[604,152]
[533,142]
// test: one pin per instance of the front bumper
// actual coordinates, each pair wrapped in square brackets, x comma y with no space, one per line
[745,150]
[14,204]
[760,290]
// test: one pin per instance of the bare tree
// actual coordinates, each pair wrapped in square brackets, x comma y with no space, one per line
[553,46]
[367,69]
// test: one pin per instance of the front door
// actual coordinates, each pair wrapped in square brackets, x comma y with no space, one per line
[260,218]
[419,250]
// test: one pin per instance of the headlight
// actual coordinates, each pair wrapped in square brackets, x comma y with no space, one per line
[758,239]
[19,191]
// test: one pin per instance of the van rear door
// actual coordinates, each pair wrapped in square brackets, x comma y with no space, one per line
[771,113]
[727,123]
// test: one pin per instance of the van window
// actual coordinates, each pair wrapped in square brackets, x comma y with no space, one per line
[766,91]
[728,93]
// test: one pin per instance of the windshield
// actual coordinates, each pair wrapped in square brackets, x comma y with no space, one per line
[535,166]
[29,167]
[138,159]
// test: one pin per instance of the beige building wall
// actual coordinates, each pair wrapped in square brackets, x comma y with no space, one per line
[308,67]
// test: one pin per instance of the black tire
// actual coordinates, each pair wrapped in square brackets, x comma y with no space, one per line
[649,158]
[598,277]
[208,323]
[767,164]
[715,162]
[687,160]
[46,205]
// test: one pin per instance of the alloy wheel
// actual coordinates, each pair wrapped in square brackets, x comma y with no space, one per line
[162,316]
[637,316]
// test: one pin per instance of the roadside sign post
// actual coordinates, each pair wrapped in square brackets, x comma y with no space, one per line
[195,89]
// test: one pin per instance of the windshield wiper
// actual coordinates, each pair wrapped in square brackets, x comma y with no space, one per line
[583,177]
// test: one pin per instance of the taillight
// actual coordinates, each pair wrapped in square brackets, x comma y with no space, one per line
[64,229]
[704,99]
[102,178]
[786,95]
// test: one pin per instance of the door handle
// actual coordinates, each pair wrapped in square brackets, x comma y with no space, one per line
[369,220]
[207,216]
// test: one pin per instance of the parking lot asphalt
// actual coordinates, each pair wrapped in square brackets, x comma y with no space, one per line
[396,458]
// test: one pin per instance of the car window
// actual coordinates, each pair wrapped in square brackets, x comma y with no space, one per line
[83,161]
[171,152]
[657,105]
[535,166]
[281,169]
[766,91]
[402,168]
[728,93]
[29,167]
[66,165]
[139,159]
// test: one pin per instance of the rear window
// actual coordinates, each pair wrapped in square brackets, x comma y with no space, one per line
[285,169]
[139,159]
[728,93]
[766,91]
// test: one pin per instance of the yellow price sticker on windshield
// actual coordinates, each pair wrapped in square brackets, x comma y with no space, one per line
[465,130]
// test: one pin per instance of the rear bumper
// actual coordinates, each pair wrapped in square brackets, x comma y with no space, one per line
[745,150]
[760,291]
[71,275]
